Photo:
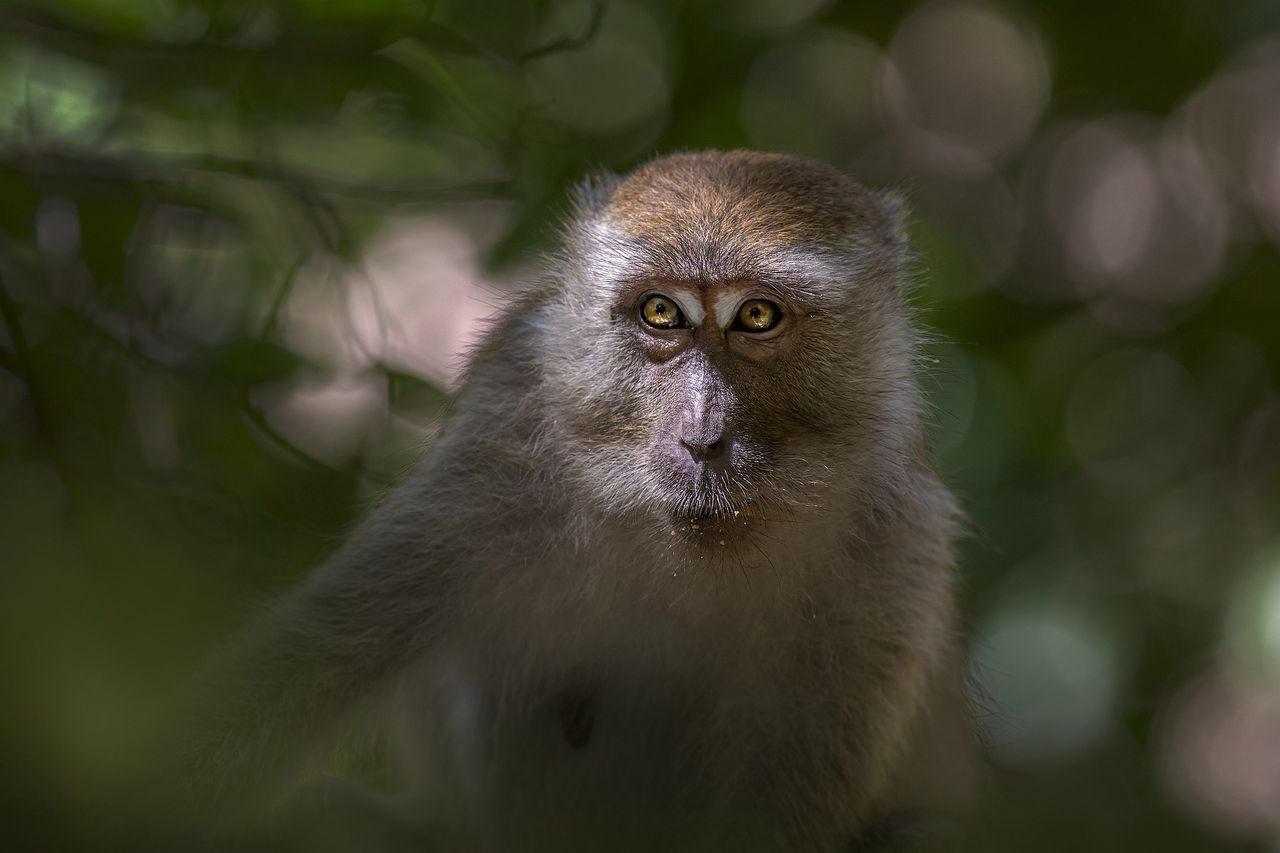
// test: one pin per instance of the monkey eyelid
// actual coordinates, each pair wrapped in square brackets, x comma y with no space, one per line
[686,302]
[684,323]
[736,325]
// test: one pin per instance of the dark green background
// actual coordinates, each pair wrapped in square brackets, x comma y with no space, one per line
[1096,195]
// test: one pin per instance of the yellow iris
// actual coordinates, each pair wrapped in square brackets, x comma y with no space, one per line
[661,313]
[757,315]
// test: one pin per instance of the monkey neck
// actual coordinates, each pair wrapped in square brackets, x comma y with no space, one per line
[751,563]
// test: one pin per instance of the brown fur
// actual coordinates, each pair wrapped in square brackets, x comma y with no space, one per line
[599,650]
[768,200]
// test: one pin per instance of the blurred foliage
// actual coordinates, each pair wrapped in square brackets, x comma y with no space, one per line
[240,242]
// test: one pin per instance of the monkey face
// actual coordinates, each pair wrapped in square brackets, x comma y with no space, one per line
[721,406]
[735,330]
[705,355]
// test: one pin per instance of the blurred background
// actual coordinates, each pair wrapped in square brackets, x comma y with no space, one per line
[243,245]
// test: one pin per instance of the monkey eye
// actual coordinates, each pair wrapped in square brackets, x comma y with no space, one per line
[662,313]
[757,315]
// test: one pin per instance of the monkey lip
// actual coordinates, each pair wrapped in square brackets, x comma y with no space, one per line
[707,499]
[698,520]
[716,493]
[720,513]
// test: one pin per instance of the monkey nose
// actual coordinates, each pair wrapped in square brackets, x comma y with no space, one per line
[706,448]
[702,430]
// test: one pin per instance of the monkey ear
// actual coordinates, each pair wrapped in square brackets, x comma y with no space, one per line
[594,191]
[897,214]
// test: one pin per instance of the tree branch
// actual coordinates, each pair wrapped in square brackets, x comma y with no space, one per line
[22,364]
[168,170]
[570,42]
[39,26]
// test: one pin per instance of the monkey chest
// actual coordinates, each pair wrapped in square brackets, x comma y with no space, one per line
[644,745]
[599,722]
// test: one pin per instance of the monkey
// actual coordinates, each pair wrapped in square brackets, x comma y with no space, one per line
[677,572]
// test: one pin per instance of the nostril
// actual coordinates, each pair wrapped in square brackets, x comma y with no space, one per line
[704,451]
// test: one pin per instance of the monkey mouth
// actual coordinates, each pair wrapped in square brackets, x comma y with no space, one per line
[705,507]
[703,517]
[698,497]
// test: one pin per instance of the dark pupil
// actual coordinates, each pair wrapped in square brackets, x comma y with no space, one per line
[755,312]
[660,308]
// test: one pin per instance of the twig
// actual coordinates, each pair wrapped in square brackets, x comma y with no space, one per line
[39,26]
[8,312]
[255,416]
[23,366]
[570,42]
[168,170]
[272,322]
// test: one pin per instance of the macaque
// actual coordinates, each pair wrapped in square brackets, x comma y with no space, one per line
[676,574]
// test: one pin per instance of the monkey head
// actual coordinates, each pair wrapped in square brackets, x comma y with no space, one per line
[731,325]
